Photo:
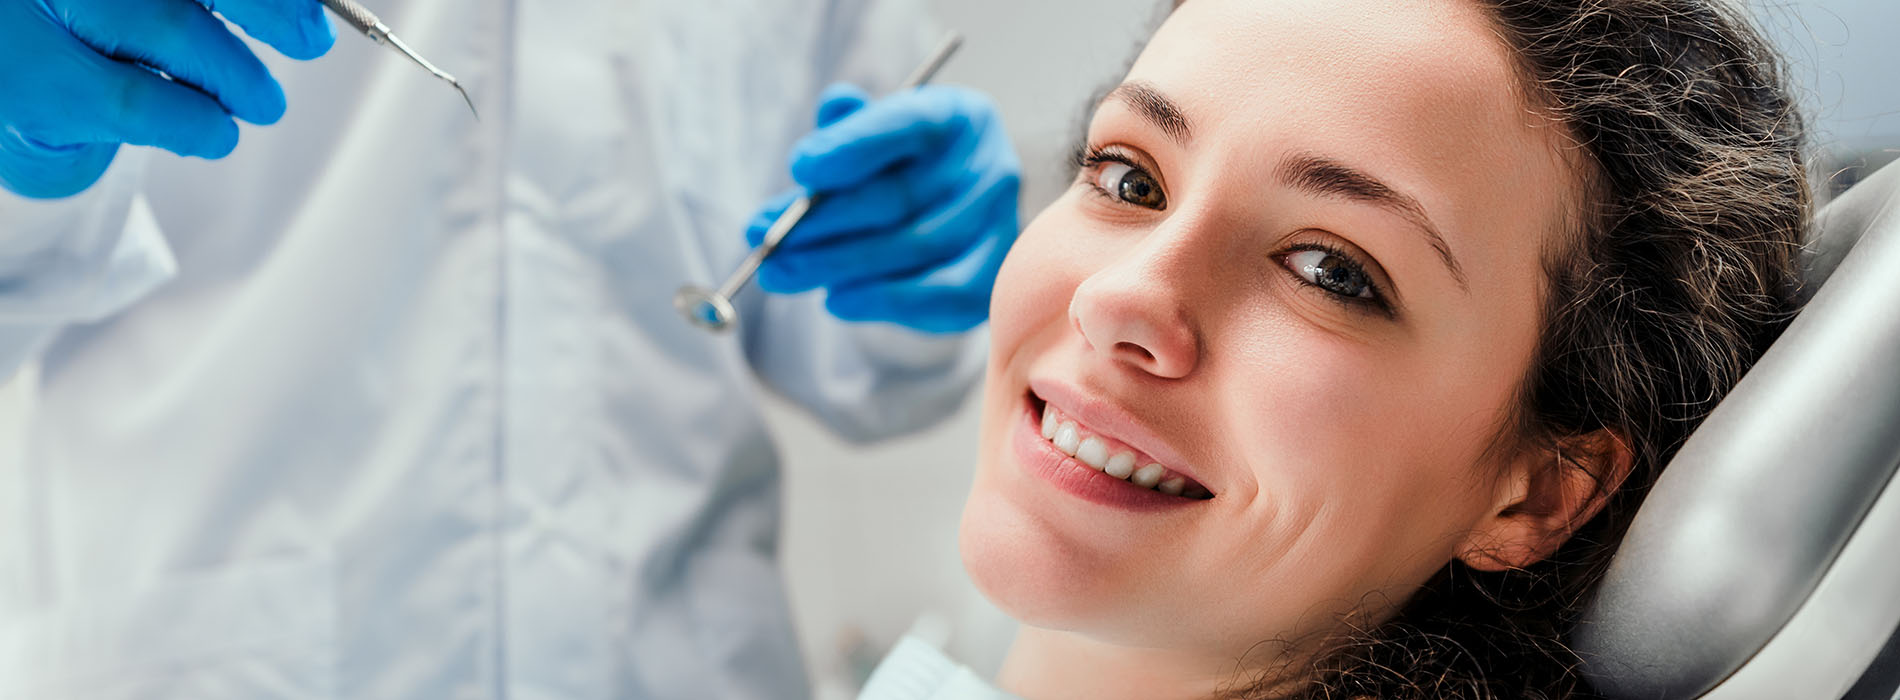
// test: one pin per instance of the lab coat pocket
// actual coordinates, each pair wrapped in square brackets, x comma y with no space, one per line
[263,629]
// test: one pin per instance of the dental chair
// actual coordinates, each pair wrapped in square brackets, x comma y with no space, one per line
[1765,564]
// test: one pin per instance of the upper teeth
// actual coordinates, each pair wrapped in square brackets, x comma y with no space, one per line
[1094,452]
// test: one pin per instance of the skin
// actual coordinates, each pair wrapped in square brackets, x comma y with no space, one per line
[1352,452]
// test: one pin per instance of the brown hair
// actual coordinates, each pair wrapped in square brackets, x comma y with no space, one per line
[1680,272]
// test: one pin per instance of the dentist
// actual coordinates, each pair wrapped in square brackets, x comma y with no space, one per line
[386,402]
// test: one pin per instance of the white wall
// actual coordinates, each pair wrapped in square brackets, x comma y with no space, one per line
[1844,63]
[1844,60]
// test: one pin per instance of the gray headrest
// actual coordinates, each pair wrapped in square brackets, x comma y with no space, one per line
[1756,508]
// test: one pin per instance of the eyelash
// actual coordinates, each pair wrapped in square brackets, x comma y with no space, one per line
[1376,304]
[1089,157]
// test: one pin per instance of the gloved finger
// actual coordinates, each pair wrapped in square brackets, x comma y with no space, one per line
[296,28]
[840,100]
[183,39]
[885,201]
[868,254]
[901,126]
[934,239]
[770,212]
[950,299]
[130,104]
[43,173]
[791,272]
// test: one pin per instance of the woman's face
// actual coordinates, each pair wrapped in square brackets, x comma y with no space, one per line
[1300,271]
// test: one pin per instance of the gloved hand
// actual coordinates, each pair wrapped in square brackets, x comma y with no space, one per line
[80,77]
[917,207]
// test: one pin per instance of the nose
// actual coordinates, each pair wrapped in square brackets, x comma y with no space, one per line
[1131,313]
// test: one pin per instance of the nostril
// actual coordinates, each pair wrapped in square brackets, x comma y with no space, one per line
[1136,350]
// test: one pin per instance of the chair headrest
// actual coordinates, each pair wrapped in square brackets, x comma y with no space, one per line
[1756,506]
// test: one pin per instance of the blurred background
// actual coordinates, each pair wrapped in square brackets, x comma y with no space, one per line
[870,535]
[1844,61]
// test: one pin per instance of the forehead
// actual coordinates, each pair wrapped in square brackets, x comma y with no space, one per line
[1422,91]
[1432,55]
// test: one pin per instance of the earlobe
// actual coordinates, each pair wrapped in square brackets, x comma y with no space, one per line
[1546,498]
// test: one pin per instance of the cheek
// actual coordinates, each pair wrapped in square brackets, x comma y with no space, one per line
[1028,310]
[1028,316]
[1363,413]
[1372,454]
[1035,284]
[1416,405]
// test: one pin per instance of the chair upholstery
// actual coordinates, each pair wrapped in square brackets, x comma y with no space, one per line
[1766,561]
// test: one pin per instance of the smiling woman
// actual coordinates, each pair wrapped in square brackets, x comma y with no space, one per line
[1348,356]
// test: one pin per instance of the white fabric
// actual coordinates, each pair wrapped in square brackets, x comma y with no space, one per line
[414,417]
[915,670]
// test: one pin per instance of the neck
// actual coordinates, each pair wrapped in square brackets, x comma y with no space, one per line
[1050,665]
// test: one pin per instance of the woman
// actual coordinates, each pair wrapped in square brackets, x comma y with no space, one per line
[1366,324]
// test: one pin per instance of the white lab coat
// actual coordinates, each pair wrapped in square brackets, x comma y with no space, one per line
[392,403]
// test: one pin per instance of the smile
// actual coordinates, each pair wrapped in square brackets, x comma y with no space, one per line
[1112,458]
[1095,466]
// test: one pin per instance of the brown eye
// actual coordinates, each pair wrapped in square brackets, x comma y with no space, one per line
[1130,184]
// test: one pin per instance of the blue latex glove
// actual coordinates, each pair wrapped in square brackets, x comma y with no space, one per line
[80,77]
[917,208]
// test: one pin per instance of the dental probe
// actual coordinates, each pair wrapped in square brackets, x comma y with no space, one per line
[713,310]
[366,22]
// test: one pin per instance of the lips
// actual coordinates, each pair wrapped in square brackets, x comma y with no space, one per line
[1113,457]
[1043,458]
[1109,418]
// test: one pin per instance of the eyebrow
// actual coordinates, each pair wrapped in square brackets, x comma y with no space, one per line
[1155,107]
[1316,174]
[1330,178]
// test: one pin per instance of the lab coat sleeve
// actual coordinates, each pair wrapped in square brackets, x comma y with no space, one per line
[866,381]
[75,260]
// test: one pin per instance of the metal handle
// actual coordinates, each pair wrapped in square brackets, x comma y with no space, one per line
[359,17]
[713,309]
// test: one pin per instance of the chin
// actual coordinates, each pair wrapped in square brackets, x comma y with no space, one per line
[1031,571]
[1022,567]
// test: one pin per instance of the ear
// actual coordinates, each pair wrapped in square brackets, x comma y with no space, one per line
[1544,497]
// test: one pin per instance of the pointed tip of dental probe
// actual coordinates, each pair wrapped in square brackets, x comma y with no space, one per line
[466,98]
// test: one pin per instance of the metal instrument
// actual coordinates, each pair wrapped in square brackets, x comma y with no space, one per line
[366,22]
[713,309]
